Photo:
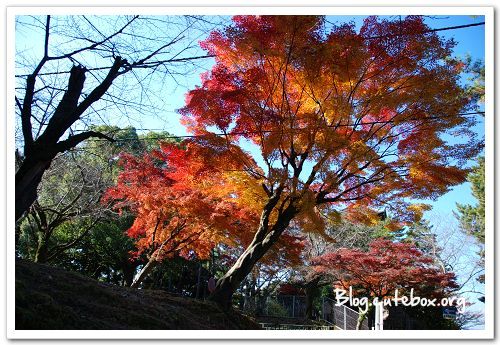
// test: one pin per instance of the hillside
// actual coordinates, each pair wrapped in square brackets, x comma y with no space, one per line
[51,298]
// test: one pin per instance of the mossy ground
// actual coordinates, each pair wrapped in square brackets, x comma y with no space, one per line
[51,298]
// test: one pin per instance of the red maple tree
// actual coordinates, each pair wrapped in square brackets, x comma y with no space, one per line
[342,120]
[385,267]
[182,207]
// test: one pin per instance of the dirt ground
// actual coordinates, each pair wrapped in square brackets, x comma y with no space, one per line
[51,298]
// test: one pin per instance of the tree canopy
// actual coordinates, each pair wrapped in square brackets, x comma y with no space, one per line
[386,266]
[336,119]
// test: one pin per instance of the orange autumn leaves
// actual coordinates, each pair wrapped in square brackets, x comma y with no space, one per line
[179,207]
[186,206]
[365,111]
[342,120]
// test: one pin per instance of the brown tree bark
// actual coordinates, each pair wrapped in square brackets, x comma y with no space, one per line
[312,291]
[262,242]
[28,178]
[128,269]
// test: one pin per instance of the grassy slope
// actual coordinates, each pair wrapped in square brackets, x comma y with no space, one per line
[51,298]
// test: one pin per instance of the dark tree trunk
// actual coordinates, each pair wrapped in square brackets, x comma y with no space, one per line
[198,282]
[128,269]
[39,152]
[260,303]
[263,240]
[311,293]
[28,178]
[42,250]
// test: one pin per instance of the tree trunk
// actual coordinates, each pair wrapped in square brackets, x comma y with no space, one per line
[310,295]
[42,250]
[28,178]
[18,233]
[39,153]
[227,285]
[198,282]
[312,292]
[128,269]
[362,316]
[262,302]
[263,240]
[143,273]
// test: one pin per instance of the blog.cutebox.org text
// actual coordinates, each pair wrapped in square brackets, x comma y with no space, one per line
[363,303]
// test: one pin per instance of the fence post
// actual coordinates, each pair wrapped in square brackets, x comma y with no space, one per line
[345,318]
[381,317]
[323,308]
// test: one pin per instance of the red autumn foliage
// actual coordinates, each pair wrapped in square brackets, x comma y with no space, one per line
[386,266]
[289,289]
[366,109]
[338,119]
[174,216]
[182,206]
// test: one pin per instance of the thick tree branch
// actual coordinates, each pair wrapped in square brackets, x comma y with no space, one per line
[76,139]
[63,116]
[101,89]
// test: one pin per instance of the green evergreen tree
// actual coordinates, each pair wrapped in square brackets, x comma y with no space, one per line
[471,217]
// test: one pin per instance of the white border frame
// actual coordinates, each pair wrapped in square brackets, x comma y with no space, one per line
[487,333]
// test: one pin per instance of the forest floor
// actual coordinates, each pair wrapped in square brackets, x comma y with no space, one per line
[51,298]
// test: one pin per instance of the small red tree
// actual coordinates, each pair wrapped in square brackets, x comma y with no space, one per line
[385,267]
[174,216]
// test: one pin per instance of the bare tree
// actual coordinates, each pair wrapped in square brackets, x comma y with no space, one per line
[460,253]
[89,70]
[70,193]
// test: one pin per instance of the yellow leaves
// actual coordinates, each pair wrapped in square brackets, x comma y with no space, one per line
[362,214]
[334,217]
[358,147]
[416,173]
[310,105]
[310,217]
[417,210]
[246,189]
